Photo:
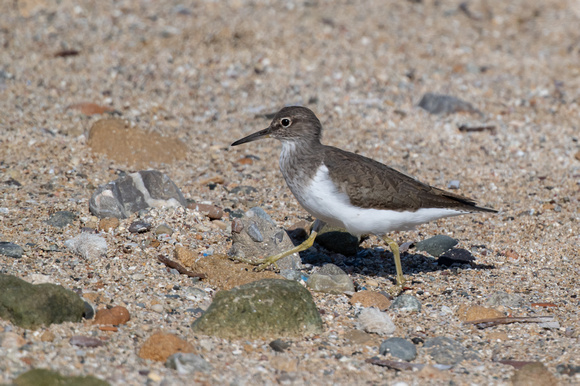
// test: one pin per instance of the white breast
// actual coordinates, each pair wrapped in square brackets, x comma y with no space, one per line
[321,199]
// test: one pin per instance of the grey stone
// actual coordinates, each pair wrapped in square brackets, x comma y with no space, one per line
[188,363]
[457,255]
[134,192]
[436,245]
[139,227]
[246,245]
[11,250]
[163,229]
[279,345]
[504,299]
[406,303]
[337,240]
[89,311]
[400,348]
[453,184]
[30,306]
[291,274]
[259,212]
[264,308]
[447,351]
[330,279]
[445,104]
[61,219]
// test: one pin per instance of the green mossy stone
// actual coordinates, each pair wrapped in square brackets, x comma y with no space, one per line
[31,306]
[264,308]
[44,377]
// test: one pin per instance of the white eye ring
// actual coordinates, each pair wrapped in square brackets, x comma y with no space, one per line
[285,122]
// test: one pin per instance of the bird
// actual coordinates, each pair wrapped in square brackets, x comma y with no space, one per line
[349,190]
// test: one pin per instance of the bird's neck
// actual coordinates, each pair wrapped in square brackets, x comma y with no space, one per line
[299,161]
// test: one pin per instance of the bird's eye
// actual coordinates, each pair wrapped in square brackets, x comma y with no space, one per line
[285,122]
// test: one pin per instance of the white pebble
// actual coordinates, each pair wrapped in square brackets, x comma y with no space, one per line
[372,320]
[87,245]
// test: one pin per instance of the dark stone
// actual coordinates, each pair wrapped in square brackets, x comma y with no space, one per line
[279,345]
[11,250]
[264,308]
[244,189]
[61,219]
[569,370]
[30,306]
[445,104]
[504,299]
[457,255]
[436,245]
[139,227]
[134,192]
[89,312]
[400,348]
[44,377]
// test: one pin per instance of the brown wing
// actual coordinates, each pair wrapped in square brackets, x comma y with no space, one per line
[370,184]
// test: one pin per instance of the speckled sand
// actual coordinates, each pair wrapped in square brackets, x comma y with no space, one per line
[203,72]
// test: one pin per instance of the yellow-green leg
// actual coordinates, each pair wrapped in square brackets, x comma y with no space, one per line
[264,263]
[299,248]
[400,279]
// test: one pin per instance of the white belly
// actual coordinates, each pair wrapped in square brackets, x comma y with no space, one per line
[323,201]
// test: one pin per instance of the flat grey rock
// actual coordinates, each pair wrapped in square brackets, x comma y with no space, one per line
[134,192]
[330,279]
[188,363]
[406,303]
[61,219]
[436,245]
[399,347]
[445,104]
[11,250]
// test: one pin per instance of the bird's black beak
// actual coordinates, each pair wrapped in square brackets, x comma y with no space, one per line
[254,137]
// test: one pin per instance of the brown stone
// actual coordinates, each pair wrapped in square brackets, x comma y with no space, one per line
[10,340]
[108,223]
[161,346]
[371,299]
[533,374]
[114,316]
[211,211]
[185,256]
[284,363]
[470,314]
[492,336]
[47,336]
[358,337]
[120,142]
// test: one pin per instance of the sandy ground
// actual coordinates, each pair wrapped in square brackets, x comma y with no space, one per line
[204,72]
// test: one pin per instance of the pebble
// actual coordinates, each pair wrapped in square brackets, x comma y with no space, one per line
[505,299]
[453,184]
[456,255]
[11,250]
[188,363]
[445,104]
[108,223]
[533,374]
[113,316]
[139,227]
[134,192]
[279,345]
[274,304]
[11,340]
[407,303]
[447,351]
[85,341]
[158,308]
[255,233]
[374,321]
[211,211]
[87,245]
[89,311]
[400,348]
[436,245]
[261,213]
[368,298]
[163,229]
[161,345]
[330,279]
[61,219]
[472,313]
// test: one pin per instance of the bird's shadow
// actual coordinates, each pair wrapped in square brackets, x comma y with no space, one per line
[379,261]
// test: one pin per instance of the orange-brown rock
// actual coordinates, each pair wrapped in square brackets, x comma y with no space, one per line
[118,141]
[472,313]
[114,316]
[371,299]
[108,223]
[162,345]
